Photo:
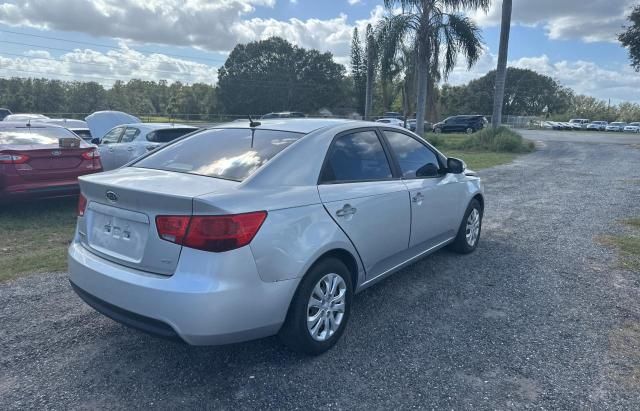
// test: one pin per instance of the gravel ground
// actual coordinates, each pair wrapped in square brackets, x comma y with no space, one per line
[538,317]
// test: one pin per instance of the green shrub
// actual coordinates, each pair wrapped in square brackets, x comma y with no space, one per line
[502,139]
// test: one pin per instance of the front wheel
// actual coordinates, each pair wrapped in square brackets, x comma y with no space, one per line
[437,130]
[468,236]
[320,308]
[469,130]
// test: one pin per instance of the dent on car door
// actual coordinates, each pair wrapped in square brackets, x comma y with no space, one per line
[436,197]
[359,192]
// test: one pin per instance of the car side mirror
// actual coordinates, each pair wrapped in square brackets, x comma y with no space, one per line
[427,170]
[95,141]
[456,166]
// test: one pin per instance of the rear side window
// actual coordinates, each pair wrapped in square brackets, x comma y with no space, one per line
[357,156]
[33,135]
[232,154]
[165,136]
[415,159]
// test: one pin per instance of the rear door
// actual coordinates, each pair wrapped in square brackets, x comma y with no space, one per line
[437,198]
[359,191]
[107,147]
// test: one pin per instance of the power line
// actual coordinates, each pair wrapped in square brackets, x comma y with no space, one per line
[87,43]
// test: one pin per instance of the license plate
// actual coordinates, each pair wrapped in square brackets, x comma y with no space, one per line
[117,236]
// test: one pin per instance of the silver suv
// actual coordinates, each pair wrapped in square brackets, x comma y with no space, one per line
[248,230]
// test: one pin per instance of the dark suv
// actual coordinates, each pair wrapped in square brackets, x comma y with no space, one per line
[461,124]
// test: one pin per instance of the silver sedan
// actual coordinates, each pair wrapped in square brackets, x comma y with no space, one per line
[248,230]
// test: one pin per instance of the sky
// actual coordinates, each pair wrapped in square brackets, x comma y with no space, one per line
[573,41]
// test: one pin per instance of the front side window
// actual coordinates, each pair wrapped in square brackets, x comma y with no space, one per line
[232,154]
[357,156]
[112,136]
[415,159]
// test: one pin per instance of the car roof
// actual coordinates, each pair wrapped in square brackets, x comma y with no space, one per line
[295,125]
[22,124]
[157,126]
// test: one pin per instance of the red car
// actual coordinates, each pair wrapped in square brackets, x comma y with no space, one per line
[42,160]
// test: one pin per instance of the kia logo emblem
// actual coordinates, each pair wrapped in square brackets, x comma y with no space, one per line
[55,153]
[111,196]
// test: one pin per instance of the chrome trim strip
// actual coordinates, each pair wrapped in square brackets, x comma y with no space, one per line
[392,269]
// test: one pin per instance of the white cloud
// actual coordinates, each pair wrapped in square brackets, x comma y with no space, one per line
[354,2]
[104,68]
[584,77]
[590,21]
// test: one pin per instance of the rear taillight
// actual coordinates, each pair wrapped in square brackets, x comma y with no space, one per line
[90,155]
[9,158]
[211,233]
[82,205]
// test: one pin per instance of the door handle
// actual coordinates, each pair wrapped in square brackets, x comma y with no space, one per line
[418,198]
[346,211]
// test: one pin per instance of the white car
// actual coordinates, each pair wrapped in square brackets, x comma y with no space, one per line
[598,125]
[632,128]
[579,123]
[616,126]
[391,121]
[25,117]
[127,142]
[80,127]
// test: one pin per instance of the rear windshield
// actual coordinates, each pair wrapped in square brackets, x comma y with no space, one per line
[85,134]
[33,135]
[170,134]
[222,153]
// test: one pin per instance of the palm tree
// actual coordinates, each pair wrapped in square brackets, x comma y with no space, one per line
[372,58]
[432,27]
[501,72]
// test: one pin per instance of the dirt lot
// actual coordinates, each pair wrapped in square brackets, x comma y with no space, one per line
[542,315]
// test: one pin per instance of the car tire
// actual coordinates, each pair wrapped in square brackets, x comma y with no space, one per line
[437,130]
[295,332]
[469,130]
[466,241]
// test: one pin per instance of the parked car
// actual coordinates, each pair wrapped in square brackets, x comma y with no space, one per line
[461,124]
[283,114]
[616,126]
[235,233]
[393,121]
[411,125]
[42,160]
[392,114]
[4,112]
[579,123]
[25,117]
[632,128]
[77,126]
[597,126]
[127,142]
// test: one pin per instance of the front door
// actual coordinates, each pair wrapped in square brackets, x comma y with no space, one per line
[359,191]
[436,197]
[127,148]
[107,148]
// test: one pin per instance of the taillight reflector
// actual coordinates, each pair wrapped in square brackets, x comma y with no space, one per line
[10,158]
[82,205]
[211,233]
[90,155]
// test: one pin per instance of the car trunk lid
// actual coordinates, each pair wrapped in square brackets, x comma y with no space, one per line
[119,223]
[51,162]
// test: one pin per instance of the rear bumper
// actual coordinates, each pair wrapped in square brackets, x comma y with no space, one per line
[213,298]
[40,190]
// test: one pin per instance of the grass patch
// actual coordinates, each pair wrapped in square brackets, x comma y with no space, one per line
[35,236]
[628,245]
[486,148]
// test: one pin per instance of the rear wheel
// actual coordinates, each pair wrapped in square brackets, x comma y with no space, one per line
[469,232]
[320,308]
[437,130]
[469,130]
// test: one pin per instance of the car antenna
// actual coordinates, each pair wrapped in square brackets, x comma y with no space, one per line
[252,123]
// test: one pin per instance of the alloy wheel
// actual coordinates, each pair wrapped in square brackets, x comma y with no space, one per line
[473,227]
[326,307]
